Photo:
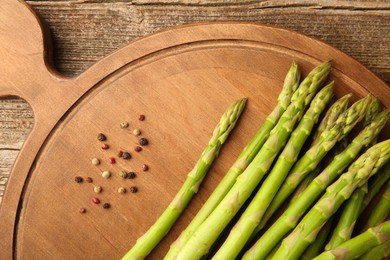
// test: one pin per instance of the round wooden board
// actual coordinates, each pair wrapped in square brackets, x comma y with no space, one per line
[182,79]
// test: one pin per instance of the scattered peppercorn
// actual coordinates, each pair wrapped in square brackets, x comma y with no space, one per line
[97,189]
[95,200]
[82,210]
[123,174]
[78,179]
[121,190]
[106,174]
[111,160]
[106,205]
[101,137]
[141,117]
[124,125]
[143,141]
[120,154]
[126,155]
[131,175]
[145,167]
[95,161]
[89,179]
[105,146]
[136,132]
[138,149]
[133,189]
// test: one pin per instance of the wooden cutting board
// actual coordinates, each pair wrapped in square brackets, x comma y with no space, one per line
[182,80]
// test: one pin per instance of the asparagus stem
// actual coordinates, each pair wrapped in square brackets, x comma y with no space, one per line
[157,231]
[377,253]
[347,220]
[358,173]
[298,207]
[381,210]
[207,233]
[359,245]
[290,85]
[318,245]
[310,160]
[250,218]
[375,185]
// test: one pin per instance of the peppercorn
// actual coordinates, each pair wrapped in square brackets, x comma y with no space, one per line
[89,179]
[120,154]
[95,161]
[143,141]
[124,125]
[101,137]
[97,189]
[106,174]
[105,146]
[145,167]
[106,205]
[131,175]
[78,179]
[141,117]
[133,189]
[138,149]
[111,160]
[136,132]
[126,155]
[123,174]
[95,200]
[82,210]
[121,190]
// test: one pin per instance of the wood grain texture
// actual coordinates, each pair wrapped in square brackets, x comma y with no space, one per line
[85,31]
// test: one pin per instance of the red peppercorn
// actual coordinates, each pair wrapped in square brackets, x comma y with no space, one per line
[138,149]
[95,200]
[120,154]
[89,179]
[141,117]
[145,167]
[82,210]
[111,160]
[105,146]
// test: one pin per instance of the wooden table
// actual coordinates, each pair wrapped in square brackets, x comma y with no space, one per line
[85,31]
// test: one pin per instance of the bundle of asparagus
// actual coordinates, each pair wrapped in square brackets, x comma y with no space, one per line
[343,172]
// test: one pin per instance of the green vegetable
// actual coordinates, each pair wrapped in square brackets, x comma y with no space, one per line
[377,253]
[297,208]
[359,245]
[381,210]
[249,220]
[202,239]
[157,231]
[291,83]
[358,173]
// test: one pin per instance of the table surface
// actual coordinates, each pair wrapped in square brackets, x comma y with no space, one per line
[84,31]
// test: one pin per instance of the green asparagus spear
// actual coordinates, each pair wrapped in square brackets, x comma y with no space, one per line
[357,175]
[359,245]
[352,209]
[291,83]
[377,253]
[375,185]
[298,207]
[315,248]
[207,233]
[248,221]
[381,210]
[310,160]
[153,236]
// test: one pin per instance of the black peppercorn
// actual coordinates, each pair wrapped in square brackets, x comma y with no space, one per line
[78,179]
[131,175]
[143,141]
[133,189]
[101,137]
[126,155]
[106,205]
